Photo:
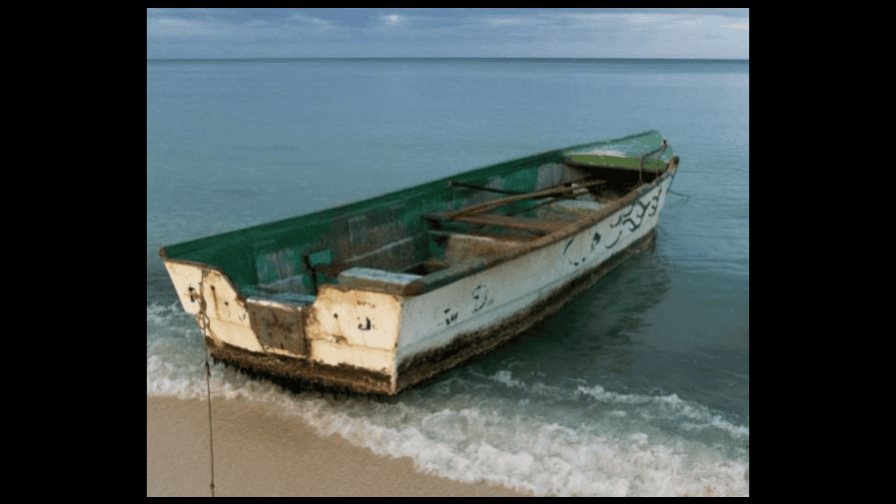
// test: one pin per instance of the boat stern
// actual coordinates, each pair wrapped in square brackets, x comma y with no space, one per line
[344,338]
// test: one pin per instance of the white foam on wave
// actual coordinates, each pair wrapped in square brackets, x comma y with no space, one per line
[477,436]
[701,417]
[692,416]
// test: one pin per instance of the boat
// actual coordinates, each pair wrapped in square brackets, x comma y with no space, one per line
[383,294]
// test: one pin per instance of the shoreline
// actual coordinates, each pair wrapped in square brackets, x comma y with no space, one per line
[258,452]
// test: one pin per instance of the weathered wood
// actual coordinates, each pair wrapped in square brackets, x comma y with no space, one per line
[444,234]
[536,225]
[499,202]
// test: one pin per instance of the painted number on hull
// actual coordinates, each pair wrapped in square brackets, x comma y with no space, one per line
[449,316]
[575,261]
[480,297]
[648,209]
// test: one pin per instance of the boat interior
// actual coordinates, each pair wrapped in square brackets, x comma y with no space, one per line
[433,230]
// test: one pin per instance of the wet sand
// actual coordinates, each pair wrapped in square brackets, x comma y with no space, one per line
[258,452]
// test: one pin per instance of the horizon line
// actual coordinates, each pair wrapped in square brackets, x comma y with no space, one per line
[287,58]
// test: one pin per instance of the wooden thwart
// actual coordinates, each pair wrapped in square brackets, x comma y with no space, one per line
[539,226]
[499,202]
[536,225]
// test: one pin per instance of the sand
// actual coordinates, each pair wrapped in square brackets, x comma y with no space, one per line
[258,452]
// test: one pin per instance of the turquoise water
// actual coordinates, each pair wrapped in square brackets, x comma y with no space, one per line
[638,387]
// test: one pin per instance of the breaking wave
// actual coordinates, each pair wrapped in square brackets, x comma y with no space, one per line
[567,440]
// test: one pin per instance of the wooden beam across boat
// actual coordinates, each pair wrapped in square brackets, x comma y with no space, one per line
[499,202]
[540,226]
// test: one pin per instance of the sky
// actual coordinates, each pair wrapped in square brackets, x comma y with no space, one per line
[483,33]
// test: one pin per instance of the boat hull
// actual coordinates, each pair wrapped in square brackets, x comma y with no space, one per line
[370,341]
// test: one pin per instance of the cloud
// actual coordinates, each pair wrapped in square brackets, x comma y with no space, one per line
[204,24]
[180,27]
[501,21]
[447,32]
[586,20]
[391,19]
[310,20]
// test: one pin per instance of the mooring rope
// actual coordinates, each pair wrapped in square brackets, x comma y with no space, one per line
[211,445]
[202,318]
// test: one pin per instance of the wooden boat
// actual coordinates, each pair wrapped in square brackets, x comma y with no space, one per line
[381,294]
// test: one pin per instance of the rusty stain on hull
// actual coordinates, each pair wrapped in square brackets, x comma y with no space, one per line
[302,373]
[278,327]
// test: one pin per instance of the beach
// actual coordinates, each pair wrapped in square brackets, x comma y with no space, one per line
[261,453]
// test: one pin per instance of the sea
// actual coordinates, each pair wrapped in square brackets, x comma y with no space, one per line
[640,386]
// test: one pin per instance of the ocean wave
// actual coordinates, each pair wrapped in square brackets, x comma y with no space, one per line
[692,416]
[478,435]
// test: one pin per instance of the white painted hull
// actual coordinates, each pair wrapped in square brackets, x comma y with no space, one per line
[371,341]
